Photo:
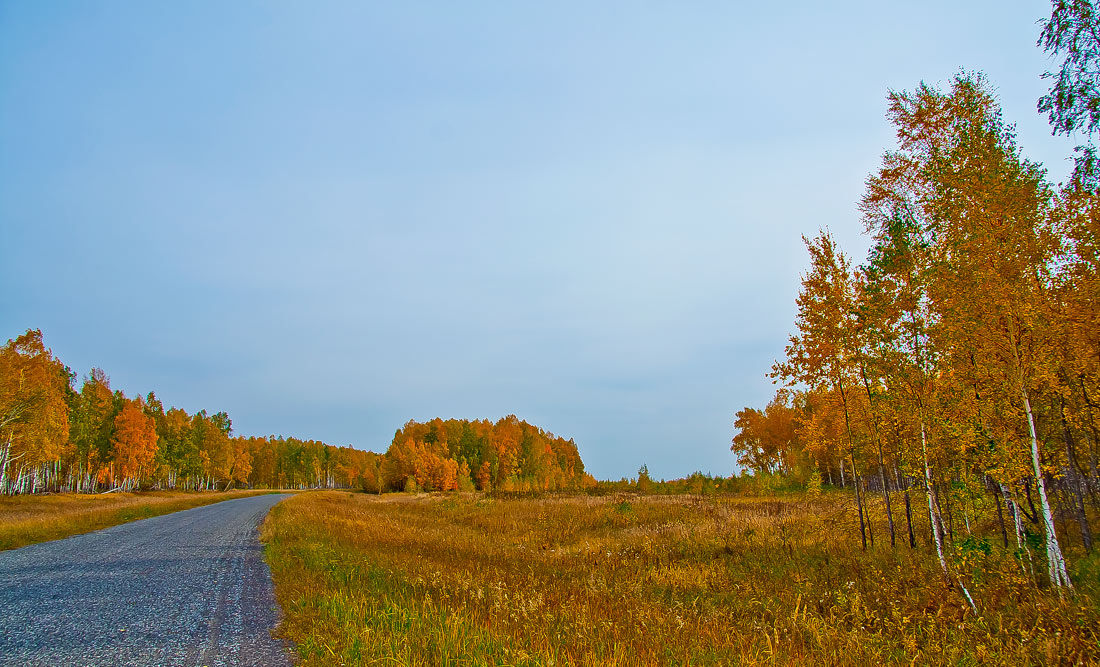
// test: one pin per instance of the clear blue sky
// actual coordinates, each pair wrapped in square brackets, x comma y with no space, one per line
[328,218]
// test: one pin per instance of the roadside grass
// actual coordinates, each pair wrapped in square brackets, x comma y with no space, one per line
[630,580]
[39,518]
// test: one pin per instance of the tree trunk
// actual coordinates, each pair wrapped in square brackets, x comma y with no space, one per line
[945,497]
[1018,524]
[1094,463]
[855,473]
[933,517]
[4,451]
[1000,514]
[929,493]
[1034,516]
[1073,479]
[908,507]
[1056,564]
[881,465]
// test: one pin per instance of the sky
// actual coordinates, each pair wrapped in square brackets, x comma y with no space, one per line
[329,218]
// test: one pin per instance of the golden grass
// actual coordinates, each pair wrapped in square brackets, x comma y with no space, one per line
[38,518]
[627,580]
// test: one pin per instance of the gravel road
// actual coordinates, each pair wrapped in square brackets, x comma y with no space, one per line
[187,589]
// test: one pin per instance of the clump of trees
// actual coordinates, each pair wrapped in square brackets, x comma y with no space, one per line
[961,361]
[457,454]
[56,438]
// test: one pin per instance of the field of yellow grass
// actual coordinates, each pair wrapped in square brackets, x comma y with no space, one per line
[39,518]
[638,580]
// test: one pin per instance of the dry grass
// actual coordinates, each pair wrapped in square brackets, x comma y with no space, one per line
[473,580]
[38,518]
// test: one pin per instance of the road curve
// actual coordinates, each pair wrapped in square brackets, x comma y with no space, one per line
[187,589]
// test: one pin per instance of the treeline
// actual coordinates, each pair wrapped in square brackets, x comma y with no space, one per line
[462,455]
[697,484]
[961,361]
[749,483]
[54,437]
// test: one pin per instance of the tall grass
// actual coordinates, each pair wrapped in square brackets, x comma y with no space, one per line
[628,580]
[28,519]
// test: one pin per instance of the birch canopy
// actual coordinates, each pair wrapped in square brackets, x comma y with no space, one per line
[961,358]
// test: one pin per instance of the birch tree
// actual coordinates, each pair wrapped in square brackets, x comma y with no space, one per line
[135,442]
[986,211]
[821,354]
[34,415]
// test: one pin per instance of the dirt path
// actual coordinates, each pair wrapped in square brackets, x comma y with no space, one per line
[189,588]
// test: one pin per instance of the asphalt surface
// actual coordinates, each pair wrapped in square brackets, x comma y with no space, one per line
[188,589]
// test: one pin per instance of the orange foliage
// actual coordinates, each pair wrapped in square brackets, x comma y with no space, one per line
[135,439]
[508,455]
[34,419]
[54,438]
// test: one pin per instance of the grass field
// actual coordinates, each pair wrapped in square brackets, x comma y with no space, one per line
[38,518]
[636,580]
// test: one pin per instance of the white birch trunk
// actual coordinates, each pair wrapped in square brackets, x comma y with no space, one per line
[933,518]
[19,481]
[1018,525]
[1056,564]
[4,466]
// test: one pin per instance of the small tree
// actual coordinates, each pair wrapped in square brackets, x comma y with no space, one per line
[813,484]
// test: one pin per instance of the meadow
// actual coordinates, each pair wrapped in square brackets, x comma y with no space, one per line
[628,579]
[29,519]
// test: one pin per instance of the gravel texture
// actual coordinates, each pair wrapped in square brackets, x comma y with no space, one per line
[189,588]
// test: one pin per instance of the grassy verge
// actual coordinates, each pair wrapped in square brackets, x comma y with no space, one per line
[30,519]
[472,580]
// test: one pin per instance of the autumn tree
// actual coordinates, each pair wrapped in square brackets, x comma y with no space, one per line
[821,355]
[1075,302]
[92,425]
[821,431]
[964,250]
[993,251]
[134,441]
[241,458]
[34,414]
[176,451]
[896,289]
[766,440]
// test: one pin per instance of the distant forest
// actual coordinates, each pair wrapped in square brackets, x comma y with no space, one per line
[54,437]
